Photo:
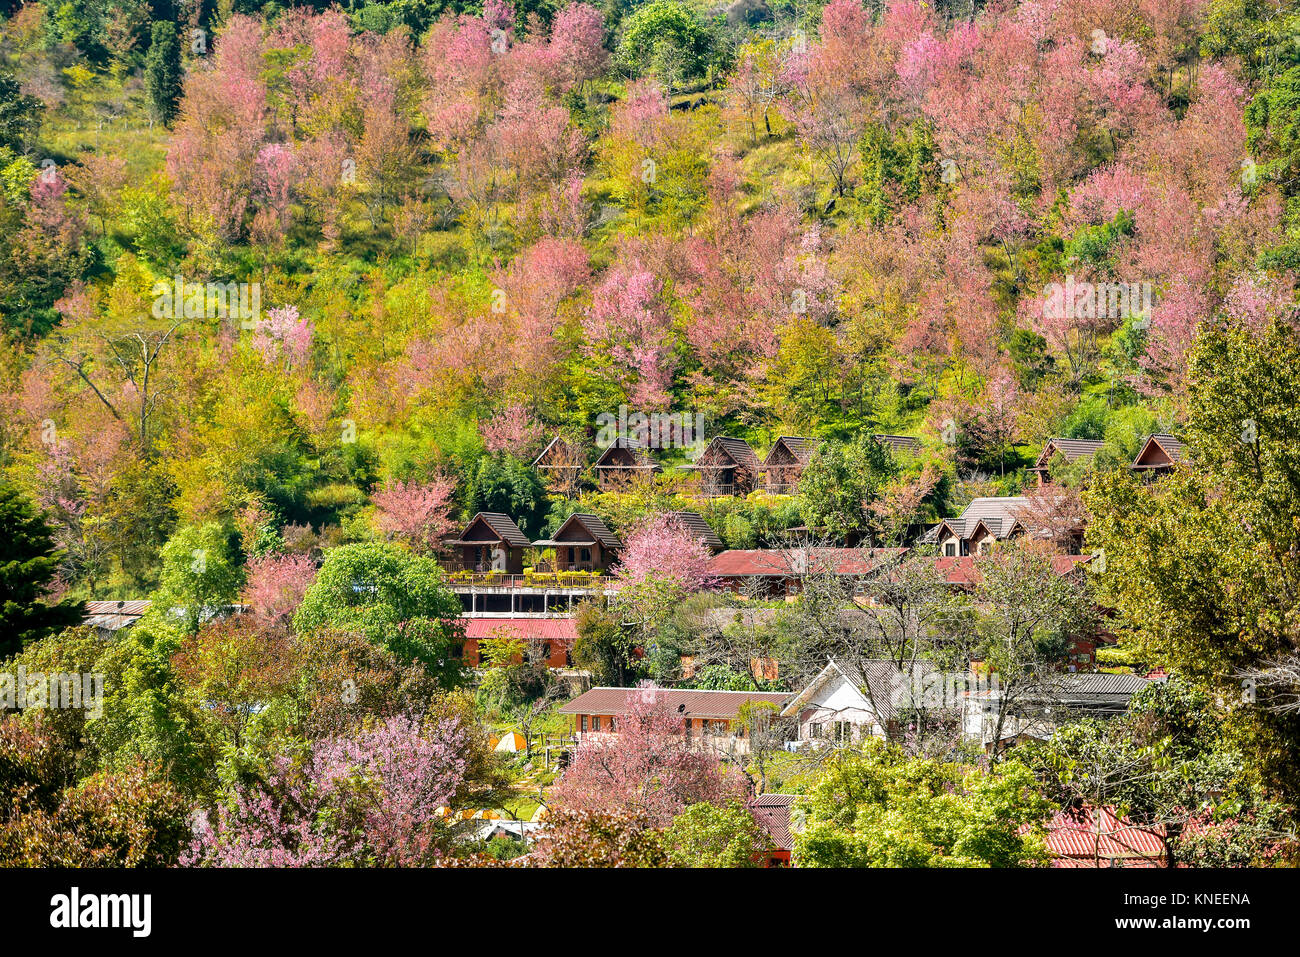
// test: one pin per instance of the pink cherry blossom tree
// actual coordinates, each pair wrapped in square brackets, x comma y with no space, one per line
[415,512]
[369,799]
[275,585]
[649,766]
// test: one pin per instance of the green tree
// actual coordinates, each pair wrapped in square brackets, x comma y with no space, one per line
[841,480]
[1164,764]
[129,818]
[199,574]
[162,71]
[1203,565]
[705,835]
[146,712]
[505,484]
[20,114]
[396,599]
[29,562]
[604,646]
[876,808]
[667,39]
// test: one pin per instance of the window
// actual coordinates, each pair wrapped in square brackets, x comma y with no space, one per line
[950,549]
[586,554]
[815,730]
[843,731]
[582,723]
[595,722]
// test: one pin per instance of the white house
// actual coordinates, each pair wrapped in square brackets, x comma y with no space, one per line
[844,704]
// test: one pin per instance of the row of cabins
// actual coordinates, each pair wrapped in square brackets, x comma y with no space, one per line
[727,466]
[730,466]
[1159,453]
[492,542]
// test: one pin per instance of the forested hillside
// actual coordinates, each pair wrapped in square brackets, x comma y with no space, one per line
[329,333]
[467,231]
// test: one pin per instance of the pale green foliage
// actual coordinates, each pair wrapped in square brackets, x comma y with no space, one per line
[876,808]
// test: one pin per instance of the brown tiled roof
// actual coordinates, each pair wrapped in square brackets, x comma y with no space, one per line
[800,447]
[772,812]
[702,530]
[737,450]
[689,702]
[1166,443]
[899,443]
[502,525]
[1072,449]
[595,527]
[998,514]
[639,455]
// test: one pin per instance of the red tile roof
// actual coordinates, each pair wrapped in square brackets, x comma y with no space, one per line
[775,562]
[772,812]
[548,629]
[965,570]
[691,703]
[741,562]
[1074,840]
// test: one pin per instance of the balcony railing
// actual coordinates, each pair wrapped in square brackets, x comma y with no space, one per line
[529,579]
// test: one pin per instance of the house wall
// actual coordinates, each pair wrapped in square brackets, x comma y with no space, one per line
[558,653]
[720,733]
[838,700]
[569,557]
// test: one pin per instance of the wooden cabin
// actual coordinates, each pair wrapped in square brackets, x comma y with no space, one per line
[785,463]
[623,464]
[583,543]
[1159,454]
[1072,449]
[491,542]
[983,523]
[728,466]
[701,529]
[560,464]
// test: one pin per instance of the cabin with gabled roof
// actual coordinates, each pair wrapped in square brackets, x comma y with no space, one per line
[1072,449]
[982,523]
[560,463]
[727,466]
[491,542]
[1159,454]
[623,464]
[583,543]
[785,462]
[701,529]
